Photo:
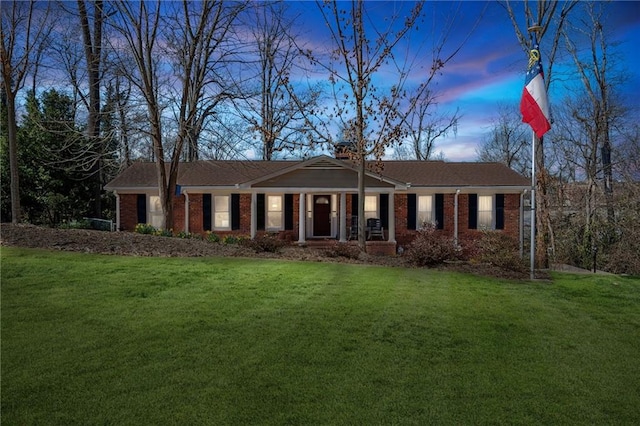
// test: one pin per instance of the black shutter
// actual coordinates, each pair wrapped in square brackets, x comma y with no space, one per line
[412,211]
[473,211]
[141,208]
[206,212]
[288,212]
[384,210]
[260,212]
[235,211]
[499,211]
[354,204]
[440,211]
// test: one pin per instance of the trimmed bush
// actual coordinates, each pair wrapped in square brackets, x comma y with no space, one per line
[430,248]
[269,243]
[501,250]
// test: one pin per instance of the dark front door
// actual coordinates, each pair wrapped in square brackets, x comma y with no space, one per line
[321,215]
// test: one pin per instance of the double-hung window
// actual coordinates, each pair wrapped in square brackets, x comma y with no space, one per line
[274,212]
[221,215]
[370,206]
[485,212]
[155,211]
[425,210]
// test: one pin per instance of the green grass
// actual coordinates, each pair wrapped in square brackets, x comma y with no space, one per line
[90,339]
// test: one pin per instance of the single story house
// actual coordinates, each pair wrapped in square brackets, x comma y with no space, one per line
[316,198]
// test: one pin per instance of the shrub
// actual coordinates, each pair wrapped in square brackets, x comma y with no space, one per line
[185,235]
[76,224]
[230,239]
[212,238]
[345,250]
[164,232]
[429,248]
[144,228]
[501,250]
[269,243]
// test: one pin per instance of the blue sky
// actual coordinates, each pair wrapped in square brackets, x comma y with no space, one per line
[490,67]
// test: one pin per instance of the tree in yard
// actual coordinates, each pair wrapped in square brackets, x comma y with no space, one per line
[508,142]
[24,28]
[270,107]
[591,122]
[547,18]
[195,42]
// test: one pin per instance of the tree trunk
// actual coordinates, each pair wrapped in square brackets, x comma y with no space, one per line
[12,133]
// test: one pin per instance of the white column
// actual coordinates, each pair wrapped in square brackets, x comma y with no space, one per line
[302,218]
[392,218]
[343,217]
[254,214]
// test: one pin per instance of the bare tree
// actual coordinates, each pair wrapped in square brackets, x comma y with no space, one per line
[508,141]
[201,43]
[92,40]
[425,127]
[195,42]
[24,29]
[269,106]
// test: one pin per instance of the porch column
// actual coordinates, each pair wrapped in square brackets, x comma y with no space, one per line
[343,217]
[392,218]
[302,218]
[254,214]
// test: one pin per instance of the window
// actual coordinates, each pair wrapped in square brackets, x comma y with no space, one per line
[485,212]
[156,218]
[370,206]
[425,210]
[221,212]
[274,212]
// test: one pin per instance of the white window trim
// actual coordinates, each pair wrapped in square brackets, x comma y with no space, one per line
[492,225]
[376,214]
[280,227]
[432,219]
[213,212]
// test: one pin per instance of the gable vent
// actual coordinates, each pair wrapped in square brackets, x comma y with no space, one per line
[323,164]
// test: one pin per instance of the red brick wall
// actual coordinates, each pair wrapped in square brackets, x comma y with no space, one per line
[128,211]
[195,214]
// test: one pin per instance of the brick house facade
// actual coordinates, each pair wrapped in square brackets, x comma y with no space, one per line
[250,197]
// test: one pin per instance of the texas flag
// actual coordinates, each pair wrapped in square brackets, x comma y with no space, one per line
[534,104]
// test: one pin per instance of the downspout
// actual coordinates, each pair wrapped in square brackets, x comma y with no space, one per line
[455,218]
[186,211]
[117,210]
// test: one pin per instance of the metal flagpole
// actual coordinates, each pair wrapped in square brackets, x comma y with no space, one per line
[533,207]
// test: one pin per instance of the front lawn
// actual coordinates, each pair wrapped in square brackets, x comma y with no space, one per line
[90,339]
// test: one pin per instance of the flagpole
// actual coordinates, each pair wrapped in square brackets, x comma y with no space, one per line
[534,29]
[533,207]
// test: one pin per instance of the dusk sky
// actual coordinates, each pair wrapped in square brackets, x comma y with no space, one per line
[491,66]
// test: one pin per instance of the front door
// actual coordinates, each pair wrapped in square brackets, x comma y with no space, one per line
[321,215]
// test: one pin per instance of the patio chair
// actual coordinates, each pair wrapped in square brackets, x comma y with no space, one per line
[374,228]
[353,229]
